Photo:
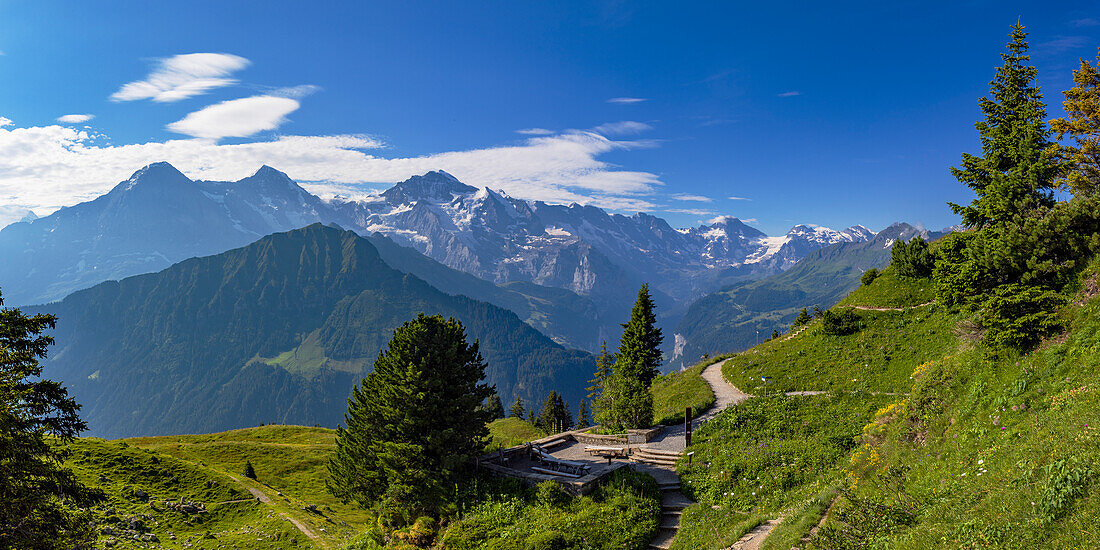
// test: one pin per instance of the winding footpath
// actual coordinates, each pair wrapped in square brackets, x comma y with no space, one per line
[671,443]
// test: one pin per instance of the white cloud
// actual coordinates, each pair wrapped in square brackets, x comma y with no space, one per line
[237,117]
[74,119]
[44,168]
[626,100]
[791,93]
[623,128]
[692,211]
[692,198]
[183,76]
[739,199]
[535,132]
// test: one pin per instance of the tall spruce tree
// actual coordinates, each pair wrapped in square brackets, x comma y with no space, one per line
[639,353]
[493,406]
[517,410]
[554,416]
[42,504]
[1016,173]
[604,363]
[415,422]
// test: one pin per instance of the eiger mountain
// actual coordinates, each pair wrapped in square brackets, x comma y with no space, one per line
[144,224]
[277,331]
[739,315]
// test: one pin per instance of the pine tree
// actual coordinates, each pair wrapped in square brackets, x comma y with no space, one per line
[639,353]
[493,406]
[414,423]
[517,409]
[42,504]
[1016,173]
[1082,124]
[604,363]
[249,470]
[802,319]
[554,417]
[583,418]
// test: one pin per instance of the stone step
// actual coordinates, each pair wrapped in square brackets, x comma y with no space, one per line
[653,460]
[670,522]
[666,508]
[660,452]
[668,486]
[676,513]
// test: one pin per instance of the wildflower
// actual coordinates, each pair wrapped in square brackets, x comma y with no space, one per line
[981,461]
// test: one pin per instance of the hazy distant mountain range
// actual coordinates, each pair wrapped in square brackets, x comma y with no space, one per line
[159,216]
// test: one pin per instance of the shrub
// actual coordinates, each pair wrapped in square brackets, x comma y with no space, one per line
[551,494]
[912,258]
[868,276]
[550,540]
[841,322]
[1015,316]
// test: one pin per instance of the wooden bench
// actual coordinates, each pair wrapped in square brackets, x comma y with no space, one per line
[547,460]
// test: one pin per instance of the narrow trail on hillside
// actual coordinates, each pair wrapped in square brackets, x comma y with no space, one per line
[264,498]
[670,445]
[876,308]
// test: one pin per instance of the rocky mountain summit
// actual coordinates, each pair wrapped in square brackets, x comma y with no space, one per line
[159,216]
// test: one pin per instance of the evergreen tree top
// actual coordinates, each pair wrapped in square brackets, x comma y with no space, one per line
[640,347]
[1016,172]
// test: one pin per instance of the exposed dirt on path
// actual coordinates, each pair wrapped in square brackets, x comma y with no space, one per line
[754,539]
[876,308]
[264,498]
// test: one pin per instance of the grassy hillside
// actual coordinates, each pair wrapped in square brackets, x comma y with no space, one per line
[508,432]
[144,487]
[990,452]
[879,357]
[972,449]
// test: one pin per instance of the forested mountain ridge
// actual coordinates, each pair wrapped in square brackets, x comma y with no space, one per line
[277,331]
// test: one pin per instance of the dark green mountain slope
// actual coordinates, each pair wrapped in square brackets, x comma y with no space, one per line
[277,331]
[733,318]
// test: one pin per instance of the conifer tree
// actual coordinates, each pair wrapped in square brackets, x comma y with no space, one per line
[517,409]
[639,353]
[493,406]
[554,417]
[414,423]
[802,319]
[1082,124]
[1016,172]
[42,504]
[583,417]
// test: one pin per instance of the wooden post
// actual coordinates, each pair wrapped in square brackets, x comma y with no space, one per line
[687,426]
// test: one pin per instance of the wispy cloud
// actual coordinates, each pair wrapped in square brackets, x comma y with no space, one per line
[535,132]
[692,198]
[791,93]
[236,118]
[44,168]
[692,211]
[626,100]
[739,199]
[74,119]
[1060,45]
[623,128]
[183,76]
[1086,22]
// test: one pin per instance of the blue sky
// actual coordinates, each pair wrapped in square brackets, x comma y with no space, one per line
[825,113]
